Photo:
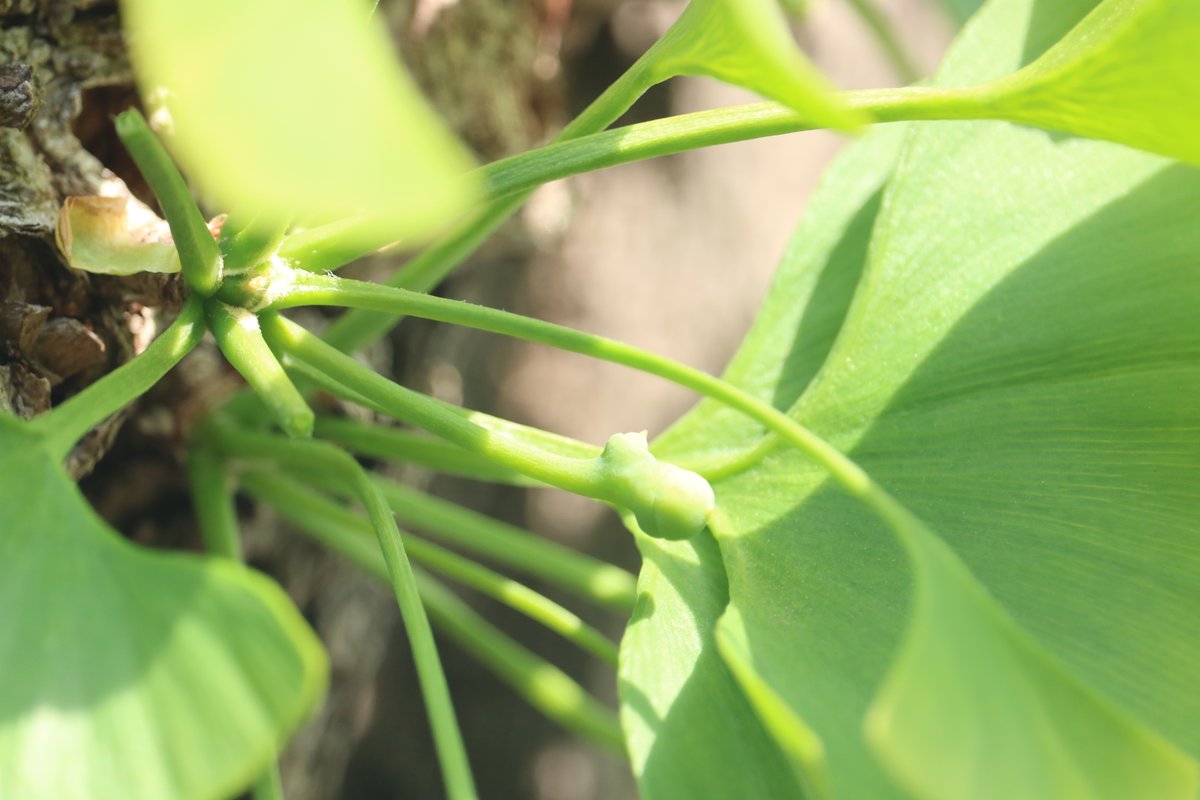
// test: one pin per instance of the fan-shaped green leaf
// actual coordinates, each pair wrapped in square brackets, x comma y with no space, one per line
[281,108]
[748,43]
[130,674]
[1017,367]
[1128,73]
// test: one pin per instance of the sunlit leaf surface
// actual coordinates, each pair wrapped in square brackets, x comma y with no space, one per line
[748,43]
[1128,73]
[1017,366]
[286,109]
[130,674]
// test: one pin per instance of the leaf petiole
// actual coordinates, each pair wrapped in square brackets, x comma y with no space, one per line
[199,256]
[542,684]
[237,333]
[295,500]
[338,464]
[70,421]
[668,501]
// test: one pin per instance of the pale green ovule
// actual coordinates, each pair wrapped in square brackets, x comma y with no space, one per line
[668,501]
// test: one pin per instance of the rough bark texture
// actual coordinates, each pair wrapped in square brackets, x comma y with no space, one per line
[61,329]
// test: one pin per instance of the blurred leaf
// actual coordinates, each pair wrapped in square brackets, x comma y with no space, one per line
[127,673]
[748,43]
[296,107]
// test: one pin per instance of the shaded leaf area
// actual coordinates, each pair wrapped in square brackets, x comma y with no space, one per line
[1015,367]
[689,729]
[113,653]
[804,308]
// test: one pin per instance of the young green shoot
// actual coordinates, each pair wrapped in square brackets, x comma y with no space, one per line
[237,333]
[199,256]
[670,502]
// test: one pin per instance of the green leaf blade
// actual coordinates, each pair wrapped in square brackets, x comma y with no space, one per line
[747,43]
[128,673]
[1016,367]
[966,668]
[1127,73]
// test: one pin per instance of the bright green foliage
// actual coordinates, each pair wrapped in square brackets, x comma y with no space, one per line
[281,108]
[748,43]
[1017,366]
[1128,73]
[131,674]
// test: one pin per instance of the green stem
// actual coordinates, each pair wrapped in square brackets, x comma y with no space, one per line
[669,502]
[333,289]
[296,501]
[340,367]
[240,339]
[246,243]
[544,686]
[199,256]
[337,463]
[429,268]
[883,32]
[581,575]
[685,132]
[411,447]
[212,497]
[268,787]
[70,421]
[577,475]
[511,179]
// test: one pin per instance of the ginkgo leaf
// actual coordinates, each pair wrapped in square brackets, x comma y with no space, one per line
[964,668]
[1017,367]
[285,109]
[128,673]
[1128,73]
[747,43]
[689,730]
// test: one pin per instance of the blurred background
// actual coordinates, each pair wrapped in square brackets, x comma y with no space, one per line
[673,255]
